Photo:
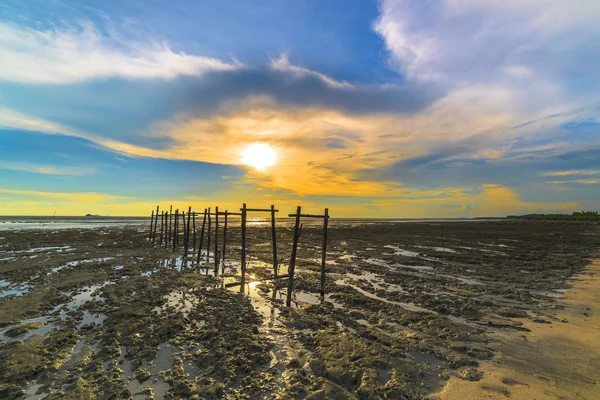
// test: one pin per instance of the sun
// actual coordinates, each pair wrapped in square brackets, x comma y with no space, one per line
[259,156]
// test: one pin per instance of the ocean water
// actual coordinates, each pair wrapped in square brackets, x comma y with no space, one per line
[50,222]
[20,222]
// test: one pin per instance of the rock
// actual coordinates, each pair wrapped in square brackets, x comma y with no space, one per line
[471,374]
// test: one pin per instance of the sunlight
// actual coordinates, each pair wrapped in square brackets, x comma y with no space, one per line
[259,156]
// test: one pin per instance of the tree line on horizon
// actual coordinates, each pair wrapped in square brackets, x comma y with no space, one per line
[576,216]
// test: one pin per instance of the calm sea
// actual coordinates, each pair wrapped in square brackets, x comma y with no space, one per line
[21,222]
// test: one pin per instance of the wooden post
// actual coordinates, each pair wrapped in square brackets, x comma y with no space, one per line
[243,280]
[194,230]
[151,222]
[224,240]
[274,240]
[155,224]
[324,251]
[201,237]
[187,232]
[175,229]
[170,222]
[216,240]
[208,238]
[183,231]
[292,265]
[162,225]
[166,230]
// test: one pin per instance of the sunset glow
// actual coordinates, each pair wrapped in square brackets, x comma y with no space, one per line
[375,108]
[259,156]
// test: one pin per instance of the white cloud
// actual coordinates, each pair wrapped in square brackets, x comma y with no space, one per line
[282,64]
[66,55]
[45,169]
[468,40]
[506,61]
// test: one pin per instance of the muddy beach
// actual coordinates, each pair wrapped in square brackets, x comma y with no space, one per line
[101,313]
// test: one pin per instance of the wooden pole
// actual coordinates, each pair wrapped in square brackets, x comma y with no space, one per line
[151,222]
[166,229]
[183,231]
[208,238]
[201,237]
[162,225]
[194,230]
[187,232]
[170,223]
[292,265]
[175,229]
[243,280]
[155,224]
[216,240]
[224,239]
[324,251]
[274,240]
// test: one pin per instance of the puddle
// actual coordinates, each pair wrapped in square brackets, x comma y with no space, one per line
[406,306]
[178,263]
[468,281]
[440,249]
[181,301]
[554,293]
[162,362]
[415,267]
[191,369]
[10,289]
[401,252]
[40,249]
[89,318]
[32,389]
[313,298]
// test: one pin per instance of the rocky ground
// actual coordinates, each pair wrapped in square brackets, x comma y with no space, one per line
[102,313]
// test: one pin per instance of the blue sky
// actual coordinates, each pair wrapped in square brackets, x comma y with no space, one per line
[392,108]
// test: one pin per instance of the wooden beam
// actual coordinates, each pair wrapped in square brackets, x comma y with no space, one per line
[292,265]
[216,241]
[243,248]
[274,239]
[324,251]
[201,237]
[308,216]
[175,229]
[224,239]
[208,238]
[187,233]
[151,222]
[259,210]
[162,225]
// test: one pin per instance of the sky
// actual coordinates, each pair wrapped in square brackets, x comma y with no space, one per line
[391,108]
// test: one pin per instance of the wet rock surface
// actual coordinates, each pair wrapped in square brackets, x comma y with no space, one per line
[101,313]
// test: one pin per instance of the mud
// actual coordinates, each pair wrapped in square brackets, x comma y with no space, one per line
[101,313]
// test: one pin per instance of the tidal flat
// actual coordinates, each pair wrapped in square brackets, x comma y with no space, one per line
[409,306]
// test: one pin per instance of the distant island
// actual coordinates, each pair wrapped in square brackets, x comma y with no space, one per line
[90,215]
[576,216]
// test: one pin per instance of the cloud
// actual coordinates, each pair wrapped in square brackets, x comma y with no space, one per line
[571,172]
[578,181]
[282,64]
[74,54]
[523,59]
[46,169]
[75,197]
[471,41]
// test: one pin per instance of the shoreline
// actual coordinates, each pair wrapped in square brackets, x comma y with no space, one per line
[557,360]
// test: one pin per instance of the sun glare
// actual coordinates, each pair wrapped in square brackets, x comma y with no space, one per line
[259,156]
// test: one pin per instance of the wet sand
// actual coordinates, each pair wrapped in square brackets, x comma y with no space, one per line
[102,313]
[553,361]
